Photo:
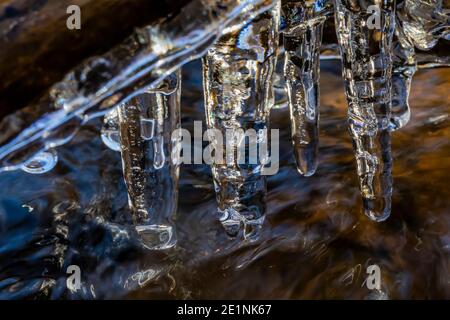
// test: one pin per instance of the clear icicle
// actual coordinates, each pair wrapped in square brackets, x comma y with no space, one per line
[302,42]
[424,22]
[403,69]
[238,76]
[367,70]
[43,162]
[146,124]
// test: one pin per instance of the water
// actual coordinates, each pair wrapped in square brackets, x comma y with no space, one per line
[367,71]
[314,242]
[110,129]
[146,124]
[308,230]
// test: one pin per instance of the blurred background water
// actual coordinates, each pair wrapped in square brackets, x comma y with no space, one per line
[316,243]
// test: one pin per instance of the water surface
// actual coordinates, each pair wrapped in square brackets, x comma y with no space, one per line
[316,243]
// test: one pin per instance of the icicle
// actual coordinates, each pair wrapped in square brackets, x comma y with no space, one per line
[238,75]
[420,24]
[302,41]
[365,30]
[403,69]
[146,124]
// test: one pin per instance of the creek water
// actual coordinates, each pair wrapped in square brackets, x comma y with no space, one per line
[316,242]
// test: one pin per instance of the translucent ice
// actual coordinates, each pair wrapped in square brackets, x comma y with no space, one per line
[146,124]
[238,75]
[302,42]
[110,130]
[366,51]
[41,163]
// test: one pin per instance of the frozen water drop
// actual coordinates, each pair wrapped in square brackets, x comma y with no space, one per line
[156,237]
[159,158]
[302,42]
[377,210]
[41,163]
[110,130]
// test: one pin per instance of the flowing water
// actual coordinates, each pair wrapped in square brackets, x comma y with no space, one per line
[304,234]
[314,244]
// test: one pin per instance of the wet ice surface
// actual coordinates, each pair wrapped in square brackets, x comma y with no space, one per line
[138,64]
[151,53]
[314,244]
[367,63]
[238,73]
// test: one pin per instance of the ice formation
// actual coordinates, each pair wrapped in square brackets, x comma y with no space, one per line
[137,86]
